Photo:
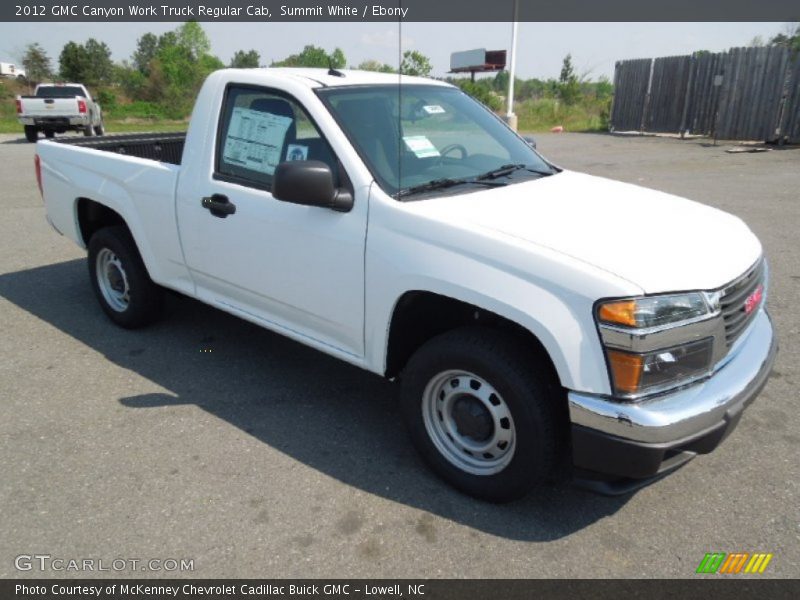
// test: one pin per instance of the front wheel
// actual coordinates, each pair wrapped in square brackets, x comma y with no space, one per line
[120,279]
[483,413]
[31,133]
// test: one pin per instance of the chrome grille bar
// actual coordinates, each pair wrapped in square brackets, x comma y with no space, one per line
[733,302]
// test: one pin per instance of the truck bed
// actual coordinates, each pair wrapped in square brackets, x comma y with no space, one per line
[163,147]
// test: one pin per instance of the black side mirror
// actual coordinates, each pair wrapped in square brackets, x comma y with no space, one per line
[310,183]
[531,141]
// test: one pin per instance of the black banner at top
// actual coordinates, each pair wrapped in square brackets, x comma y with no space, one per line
[400,10]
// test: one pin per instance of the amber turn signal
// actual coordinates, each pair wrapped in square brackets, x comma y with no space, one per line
[626,370]
[620,313]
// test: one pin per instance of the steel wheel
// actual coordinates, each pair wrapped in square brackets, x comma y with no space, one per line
[469,422]
[112,280]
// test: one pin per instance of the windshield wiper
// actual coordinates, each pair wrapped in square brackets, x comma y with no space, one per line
[507,170]
[440,184]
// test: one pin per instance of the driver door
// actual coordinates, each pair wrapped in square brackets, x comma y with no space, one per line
[296,269]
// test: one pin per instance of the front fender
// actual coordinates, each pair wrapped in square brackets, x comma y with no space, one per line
[549,294]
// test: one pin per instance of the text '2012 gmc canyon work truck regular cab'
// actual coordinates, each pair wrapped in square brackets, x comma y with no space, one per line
[535,317]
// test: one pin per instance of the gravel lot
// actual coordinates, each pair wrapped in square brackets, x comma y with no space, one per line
[207,438]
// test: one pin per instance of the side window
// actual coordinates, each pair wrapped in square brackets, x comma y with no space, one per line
[259,129]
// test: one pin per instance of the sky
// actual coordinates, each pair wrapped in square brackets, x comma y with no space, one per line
[541,46]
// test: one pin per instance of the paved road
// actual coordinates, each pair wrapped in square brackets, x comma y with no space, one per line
[209,439]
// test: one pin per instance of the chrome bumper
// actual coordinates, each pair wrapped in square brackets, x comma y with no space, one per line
[689,412]
[44,120]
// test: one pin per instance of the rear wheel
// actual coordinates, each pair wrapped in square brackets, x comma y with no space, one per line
[120,280]
[100,129]
[88,131]
[49,134]
[482,412]
[31,133]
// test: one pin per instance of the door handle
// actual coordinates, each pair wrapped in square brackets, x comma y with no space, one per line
[219,205]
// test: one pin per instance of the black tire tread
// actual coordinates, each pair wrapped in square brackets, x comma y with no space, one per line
[147,298]
[514,361]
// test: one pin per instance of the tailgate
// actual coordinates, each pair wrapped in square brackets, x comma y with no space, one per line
[49,107]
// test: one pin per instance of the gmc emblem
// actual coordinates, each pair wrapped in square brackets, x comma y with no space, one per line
[753,300]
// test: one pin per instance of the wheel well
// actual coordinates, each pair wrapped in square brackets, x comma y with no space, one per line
[93,216]
[420,316]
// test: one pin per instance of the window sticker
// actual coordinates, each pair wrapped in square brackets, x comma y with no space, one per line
[296,152]
[255,139]
[421,146]
[433,109]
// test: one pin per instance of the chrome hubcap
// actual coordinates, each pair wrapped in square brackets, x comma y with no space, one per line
[469,422]
[112,280]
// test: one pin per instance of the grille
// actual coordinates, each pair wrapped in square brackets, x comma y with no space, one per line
[733,300]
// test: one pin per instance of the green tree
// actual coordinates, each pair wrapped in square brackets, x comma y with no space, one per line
[100,68]
[193,38]
[603,88]
[73,62]
[374,65]
[482,91]
[415,63]
[569,89]
[36,63]
[790,39]
[88,63]
[181,64]
[245,60]
[312,56]
[146,49]
[130,79]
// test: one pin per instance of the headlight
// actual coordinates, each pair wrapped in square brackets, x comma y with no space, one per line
[639,374]
[653,311]
[655,343]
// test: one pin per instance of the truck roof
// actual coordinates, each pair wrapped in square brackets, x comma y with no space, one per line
[321,78]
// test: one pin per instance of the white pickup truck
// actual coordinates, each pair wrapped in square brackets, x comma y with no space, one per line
[59,107]
[536,318]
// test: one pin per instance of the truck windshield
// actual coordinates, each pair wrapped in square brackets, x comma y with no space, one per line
[421,139]
[59,91]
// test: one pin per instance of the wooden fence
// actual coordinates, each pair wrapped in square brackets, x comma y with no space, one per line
[742,94]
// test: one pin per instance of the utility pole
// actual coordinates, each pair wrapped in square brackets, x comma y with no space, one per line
[511,118]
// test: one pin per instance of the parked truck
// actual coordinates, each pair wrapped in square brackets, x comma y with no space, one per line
[59,107]
[537,319]
[11,71]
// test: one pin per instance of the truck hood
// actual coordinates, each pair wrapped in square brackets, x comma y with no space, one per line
[657,241]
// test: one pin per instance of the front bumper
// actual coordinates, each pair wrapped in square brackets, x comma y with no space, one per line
[617,440]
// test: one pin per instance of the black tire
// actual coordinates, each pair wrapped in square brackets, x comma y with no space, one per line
[525,390]
[145,299]
[88,131]
[100,129]
[31,133]
[49,134]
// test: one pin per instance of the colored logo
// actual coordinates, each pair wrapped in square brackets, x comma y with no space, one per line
[734,563]
[753,300]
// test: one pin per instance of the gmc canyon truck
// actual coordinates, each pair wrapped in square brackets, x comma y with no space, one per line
[59,107]
[537,319]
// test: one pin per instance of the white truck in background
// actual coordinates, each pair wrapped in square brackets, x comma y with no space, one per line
[59,107]
[11,71]
[535,317]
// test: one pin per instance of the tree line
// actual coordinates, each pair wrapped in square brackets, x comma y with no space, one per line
[165,72]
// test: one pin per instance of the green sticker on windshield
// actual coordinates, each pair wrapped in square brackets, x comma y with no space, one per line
[421,146]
